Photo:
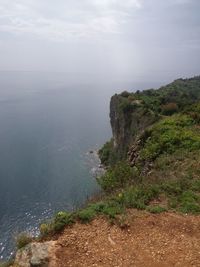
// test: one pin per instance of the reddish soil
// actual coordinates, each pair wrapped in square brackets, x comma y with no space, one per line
[160,240]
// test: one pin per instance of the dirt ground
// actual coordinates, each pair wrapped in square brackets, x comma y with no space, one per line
[151,240]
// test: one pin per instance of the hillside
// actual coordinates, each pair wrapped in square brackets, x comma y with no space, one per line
[148,213]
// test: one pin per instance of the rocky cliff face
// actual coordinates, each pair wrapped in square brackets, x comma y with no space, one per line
[132,113]
[128,118]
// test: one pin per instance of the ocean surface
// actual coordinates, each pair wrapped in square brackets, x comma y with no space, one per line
[48,124]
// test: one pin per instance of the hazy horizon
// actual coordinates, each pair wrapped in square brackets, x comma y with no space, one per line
[134,40]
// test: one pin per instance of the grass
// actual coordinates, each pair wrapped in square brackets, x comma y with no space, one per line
[7,263]
[171,146]
[116,177]
[177,181]
[22,240]
[156,209]
[169,135]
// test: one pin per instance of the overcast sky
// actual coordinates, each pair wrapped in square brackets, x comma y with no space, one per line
[121,39]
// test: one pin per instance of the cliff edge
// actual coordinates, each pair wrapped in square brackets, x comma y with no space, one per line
[148,212]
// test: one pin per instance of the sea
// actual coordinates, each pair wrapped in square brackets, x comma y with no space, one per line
[49,124]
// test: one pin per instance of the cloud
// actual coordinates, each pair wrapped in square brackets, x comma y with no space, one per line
[94,19]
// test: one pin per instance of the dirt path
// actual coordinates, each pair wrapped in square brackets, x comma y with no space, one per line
[159,240]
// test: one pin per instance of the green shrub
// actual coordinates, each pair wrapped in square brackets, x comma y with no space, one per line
[86,215]
[46,229]
[189,202]
[125,94]
[107,154]
[169,135]
[111,209]
[140,196]
[7,263]
[116,177]
[127,106]
[22,240]
[62,219]
[169,108]
[196,185]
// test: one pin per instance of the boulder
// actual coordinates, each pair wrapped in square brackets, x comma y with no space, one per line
[35,254]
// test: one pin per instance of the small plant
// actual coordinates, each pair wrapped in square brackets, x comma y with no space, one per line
[112,209]
[45,229]
[62,219]
[22,240]
[86,215]
[156,209]
[189,202]
[139,196]
[7,263]
[107,154]
[122,221]
[116,177]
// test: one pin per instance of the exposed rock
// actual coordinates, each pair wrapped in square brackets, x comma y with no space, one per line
[127,124]
[35,254]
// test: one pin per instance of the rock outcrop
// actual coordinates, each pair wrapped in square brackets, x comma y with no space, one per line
[35,254]
[128,118]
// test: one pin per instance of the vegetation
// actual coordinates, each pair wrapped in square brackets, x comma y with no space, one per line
[182,92]
[22,240]
[116,177]
[107,154]
[7,263]
[169,144]
[169,135]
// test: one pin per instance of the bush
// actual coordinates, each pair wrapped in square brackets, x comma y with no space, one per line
[189,202]
[169,108]
[125,94]
[86,215]
[140,196]
[169,135]
[62,219]
[7,263]
[22,240]
[111,209]
[116,177]
[126,105]
[107,154]
[45,229]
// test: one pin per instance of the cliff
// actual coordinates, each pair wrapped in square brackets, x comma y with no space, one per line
[152,167]
[132,113]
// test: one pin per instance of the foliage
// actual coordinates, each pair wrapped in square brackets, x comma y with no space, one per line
[107,154]
[116,177]
[167,99]
[169,135]
[139,196]
[86,215]
[171,145]
[7,263]
[189,202]
[46,229]
[156,209]
[125,94]
[22,240]
[169,108]
[127,106]
[62,219]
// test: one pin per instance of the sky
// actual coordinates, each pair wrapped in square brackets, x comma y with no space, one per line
[109,39]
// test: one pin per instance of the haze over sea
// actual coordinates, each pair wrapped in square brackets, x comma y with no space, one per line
[48,123]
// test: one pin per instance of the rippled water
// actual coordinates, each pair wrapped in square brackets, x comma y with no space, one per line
[48,123]
[47,126]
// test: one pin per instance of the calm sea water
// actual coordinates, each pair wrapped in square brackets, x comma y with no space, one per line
[48,123]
